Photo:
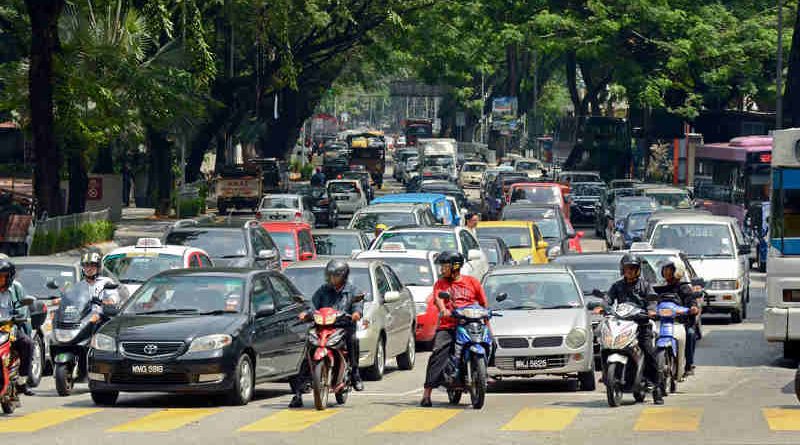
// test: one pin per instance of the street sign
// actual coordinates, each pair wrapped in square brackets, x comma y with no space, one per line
[94,191]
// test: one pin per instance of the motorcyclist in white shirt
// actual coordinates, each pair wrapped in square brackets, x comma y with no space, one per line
[90,267]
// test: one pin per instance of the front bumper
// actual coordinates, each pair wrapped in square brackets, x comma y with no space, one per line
[181,374]
[564,362]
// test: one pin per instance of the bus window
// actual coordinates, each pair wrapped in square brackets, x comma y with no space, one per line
[786,202]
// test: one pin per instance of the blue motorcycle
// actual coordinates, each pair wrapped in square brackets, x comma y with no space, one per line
[475,343]
[671,342]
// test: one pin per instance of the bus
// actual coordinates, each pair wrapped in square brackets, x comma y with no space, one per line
[729,177]
[782,314]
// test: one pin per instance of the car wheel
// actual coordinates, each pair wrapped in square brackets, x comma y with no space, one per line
[375,371]
[37,362]
[791,350]
[243,382]
[736,315]
[405,361]
[105,398]
[586,380]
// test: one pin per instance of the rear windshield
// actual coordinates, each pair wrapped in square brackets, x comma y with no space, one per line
[309,279]
[138,267]
[286,243]
[343,244]
[368,221]
[218,243]
[544,195]
[280,202]
[342,187]
[474,167]
[514,237]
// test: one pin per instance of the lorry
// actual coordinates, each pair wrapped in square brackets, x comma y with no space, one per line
[238,187]
[369,150]
[416,128]
[438,157]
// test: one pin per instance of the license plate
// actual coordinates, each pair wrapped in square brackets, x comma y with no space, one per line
[275,217]
[530,363]
[147,369]
[342,198]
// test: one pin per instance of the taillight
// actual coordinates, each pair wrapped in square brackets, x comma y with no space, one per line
[258,215]
[791,296]
[298,215]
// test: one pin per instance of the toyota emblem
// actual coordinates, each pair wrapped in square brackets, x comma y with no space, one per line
[150,349]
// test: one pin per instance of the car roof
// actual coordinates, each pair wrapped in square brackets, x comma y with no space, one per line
[216,271]
[46,260]
[412,198]
[288,195]
[437,228]
[410,253]
[509,223]
[704,219]
[390,207]
[661,189]
[352,232]
[533,268]
[169,249]
[351,181]
[589,257]
[321,263]
[280,226]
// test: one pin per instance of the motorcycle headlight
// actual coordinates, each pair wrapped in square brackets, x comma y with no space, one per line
[724,285]
[210,342]
[66,335]
[576,338]
[474,312]
[102,342]
[3,337]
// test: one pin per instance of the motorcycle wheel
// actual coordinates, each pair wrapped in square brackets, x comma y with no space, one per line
[664,360]
[38,360]
[454,396]
[64,380]
[8,407]
[613,386]
[320,378]
[797,384]
[639,395]
[673,370]
[477,391]
[341,397]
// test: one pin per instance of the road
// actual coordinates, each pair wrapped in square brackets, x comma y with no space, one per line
[742,393]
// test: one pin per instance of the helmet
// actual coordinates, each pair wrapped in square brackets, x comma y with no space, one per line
[8,267]
[381,227]
[677,270]
[336,267]
[629,260]
[455,259]
[91,258]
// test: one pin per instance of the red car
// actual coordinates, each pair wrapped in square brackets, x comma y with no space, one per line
[293,239]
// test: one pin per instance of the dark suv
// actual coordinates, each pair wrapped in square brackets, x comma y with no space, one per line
[245,245]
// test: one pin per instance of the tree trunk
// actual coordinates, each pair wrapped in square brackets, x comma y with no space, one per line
[792,95]
[572,84]
[44,44]
[160,173]
[78,182]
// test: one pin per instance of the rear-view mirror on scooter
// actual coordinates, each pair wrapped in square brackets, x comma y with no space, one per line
[52,285]
[501,297]
[444,295]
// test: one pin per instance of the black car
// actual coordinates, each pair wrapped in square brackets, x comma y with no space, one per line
[211,331]
[549,219]
[585,199]
[496,251]
[334,166]
[231,245]
[446,188]
[605,208]
[339,243]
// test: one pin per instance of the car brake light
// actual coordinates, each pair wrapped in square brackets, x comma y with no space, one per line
[258,215]
[298,215]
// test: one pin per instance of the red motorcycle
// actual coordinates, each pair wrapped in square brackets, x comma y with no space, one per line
[328,358]
[9,323]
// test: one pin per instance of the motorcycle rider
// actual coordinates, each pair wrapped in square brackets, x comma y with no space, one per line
[464,290]
[90,268]
[11,294]
[635,290]
[673,275]
[341,295]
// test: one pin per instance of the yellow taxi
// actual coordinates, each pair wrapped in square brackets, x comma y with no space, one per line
[523,238]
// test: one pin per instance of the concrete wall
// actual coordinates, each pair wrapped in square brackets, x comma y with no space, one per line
[111,196]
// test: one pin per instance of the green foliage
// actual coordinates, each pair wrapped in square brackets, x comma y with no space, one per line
[47,243]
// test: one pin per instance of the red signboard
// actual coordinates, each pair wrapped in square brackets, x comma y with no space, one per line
[94,191]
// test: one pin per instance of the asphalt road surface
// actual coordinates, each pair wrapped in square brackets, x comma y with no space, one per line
[742,393]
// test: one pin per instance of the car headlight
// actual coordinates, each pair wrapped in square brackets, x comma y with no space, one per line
[210,342]
[3,337]
[421,308]
[102,342]
[724,285]
[66,335]
[576,338]
[554,252]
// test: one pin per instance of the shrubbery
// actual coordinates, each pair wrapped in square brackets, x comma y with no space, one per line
[46,243]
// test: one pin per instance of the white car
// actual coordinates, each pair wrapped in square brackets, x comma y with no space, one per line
[286,207]
[136,264]
[439,239]
[415,268]
[531,167]
[348,195]
[470,174]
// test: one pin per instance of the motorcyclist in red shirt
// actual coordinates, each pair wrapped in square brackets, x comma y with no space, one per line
[464,290]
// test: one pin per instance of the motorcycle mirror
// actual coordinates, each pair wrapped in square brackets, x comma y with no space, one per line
[110,285]
[110,310]
[52,285]
[444,295]
[358,298]
[298,299]
[698,282]
[501,297]
[597,293]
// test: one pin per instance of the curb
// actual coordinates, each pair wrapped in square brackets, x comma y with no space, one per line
[103,248]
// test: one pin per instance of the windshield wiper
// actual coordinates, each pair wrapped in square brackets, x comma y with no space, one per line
[561,306]
[521,307]
[232,256]
[217,312]
[131,280]
[167,311]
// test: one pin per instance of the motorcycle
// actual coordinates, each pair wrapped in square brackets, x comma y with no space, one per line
[472,335]
[623,359]
[671,342]
[329,362]
[80,314]
[10,322]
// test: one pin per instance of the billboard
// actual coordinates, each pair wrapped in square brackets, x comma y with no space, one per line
[504,113]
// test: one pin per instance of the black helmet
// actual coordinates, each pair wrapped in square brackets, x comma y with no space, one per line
[336,267]
[629,260]
[9,268]
[455,259]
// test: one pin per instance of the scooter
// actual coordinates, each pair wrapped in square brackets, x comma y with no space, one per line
[10,322]
[623,359]
[475,343]
[671,342]
[80,314]
[329,363]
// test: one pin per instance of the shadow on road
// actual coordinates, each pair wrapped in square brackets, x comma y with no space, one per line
[533,386]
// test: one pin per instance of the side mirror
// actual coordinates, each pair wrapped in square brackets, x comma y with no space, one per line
[28,300]
[305,256]
[593,304]
[298,299]
[745,249]
[597,293]
[267,254]
[571,234]
[111,285]
[474,255]
[580,234]
[542,245]
[52,285]
[265,310]
[110,310]
[359,298]
[391,296]
[502,296]
[444,295]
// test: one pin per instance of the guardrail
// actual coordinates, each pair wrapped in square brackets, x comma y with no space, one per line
[67,232]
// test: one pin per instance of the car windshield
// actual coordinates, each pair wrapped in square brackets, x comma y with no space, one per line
[286,244]
[187,294]
[419,130]
[587,190]
[677,199]
[342,187]
[420,240]
[218,243]
[514,237]
[580,177]
[525,165]
[533,291]
[340,245]
[696,240]
[309,279]
[443,161]
[656,261]
[528,213]
[544,195]
[474,167]
[491,251]
[412,271]
[549,228]
[138,267]
[34,277]
[367,221]
[280,202]
[638,220]
[624,207]
[591,279]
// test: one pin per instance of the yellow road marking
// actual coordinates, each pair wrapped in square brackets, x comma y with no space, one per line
[416,420]
[166,420]
[542,419]
[288,421]
[43,419]
[669,419]
[780,419]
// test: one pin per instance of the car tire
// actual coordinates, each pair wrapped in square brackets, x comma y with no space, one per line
[797,384]
[243,382]
[375,371]
[406,360]
[586,379]
[791,350]
[105,398]
[64,380]
[736,316]
[37,362]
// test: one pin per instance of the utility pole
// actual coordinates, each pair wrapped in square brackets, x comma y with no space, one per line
[779,71]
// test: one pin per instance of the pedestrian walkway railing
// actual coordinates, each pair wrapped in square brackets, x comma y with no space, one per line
[67,232]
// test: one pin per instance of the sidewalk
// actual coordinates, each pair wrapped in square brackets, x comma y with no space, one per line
[141,223]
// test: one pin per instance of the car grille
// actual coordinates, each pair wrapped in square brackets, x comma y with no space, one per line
[547,342]
[144,349]
[553,361]
[130,379]
[513,342]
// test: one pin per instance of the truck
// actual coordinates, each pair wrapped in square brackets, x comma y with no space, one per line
[417,128]
[369,150]
[438,158]
[238,187]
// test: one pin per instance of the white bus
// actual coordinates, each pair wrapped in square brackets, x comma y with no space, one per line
[782,315]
